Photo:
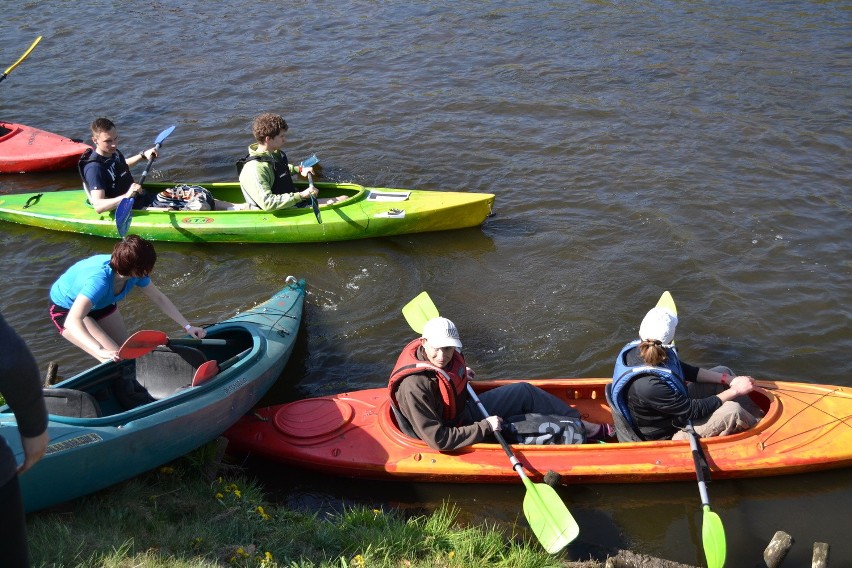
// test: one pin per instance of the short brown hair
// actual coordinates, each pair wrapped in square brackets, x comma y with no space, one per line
[268,124]
[133,256]
[101,125]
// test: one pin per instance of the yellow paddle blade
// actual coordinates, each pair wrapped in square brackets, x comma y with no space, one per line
[549,518]
[666,301]
[419,310]
[713,536]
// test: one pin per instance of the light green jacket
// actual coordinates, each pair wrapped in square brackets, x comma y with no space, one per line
[257,179]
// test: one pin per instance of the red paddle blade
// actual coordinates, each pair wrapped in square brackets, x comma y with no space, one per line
[142,343]
[207,370]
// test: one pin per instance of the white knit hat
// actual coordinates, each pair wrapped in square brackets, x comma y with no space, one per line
[659,324]
[441,332]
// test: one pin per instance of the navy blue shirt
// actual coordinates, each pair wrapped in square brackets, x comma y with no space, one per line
[110,174]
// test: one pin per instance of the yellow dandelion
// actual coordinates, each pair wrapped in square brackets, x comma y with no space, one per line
[237,493]
[167,470]
[220,496]
[451,554]
[358,561]
[262,513]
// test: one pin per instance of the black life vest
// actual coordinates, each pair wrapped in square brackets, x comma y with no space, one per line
[283,180]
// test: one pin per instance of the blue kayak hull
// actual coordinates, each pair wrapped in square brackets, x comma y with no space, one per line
[85,455]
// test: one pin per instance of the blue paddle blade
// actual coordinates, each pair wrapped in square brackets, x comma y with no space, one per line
[164,134]
[311,160]
[124,215]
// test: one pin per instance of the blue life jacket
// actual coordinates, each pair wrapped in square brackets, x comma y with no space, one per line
[670,372]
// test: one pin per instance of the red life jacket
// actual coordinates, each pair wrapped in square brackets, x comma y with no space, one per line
[452,381]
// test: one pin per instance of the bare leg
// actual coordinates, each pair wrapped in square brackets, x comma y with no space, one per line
[110,332]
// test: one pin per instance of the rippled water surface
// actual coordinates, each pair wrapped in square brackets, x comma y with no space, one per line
[701,148]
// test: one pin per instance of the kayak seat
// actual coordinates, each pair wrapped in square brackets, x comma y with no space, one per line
[166,370]
[71,403]
[623,430]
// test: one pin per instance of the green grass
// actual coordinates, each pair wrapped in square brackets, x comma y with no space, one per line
[176,517]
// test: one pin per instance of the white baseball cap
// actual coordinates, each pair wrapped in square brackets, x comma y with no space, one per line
[441,332]
[659,324]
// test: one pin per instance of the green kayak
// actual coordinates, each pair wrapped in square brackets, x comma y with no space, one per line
[367,212]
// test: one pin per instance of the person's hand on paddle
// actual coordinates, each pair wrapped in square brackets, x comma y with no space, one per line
[495,422]
[143,156]
[303,171]
[306,194]
[471,376]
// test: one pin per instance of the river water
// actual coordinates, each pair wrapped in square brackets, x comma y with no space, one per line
[634,147]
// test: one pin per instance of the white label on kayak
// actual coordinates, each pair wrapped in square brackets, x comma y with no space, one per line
[387,196]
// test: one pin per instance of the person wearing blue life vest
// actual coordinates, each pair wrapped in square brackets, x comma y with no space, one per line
[83,300]
[21,387]
[657,394]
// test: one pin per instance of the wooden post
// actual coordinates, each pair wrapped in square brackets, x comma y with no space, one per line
[777,549]
[820,557]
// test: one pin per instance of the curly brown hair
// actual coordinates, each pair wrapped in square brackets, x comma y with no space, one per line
[268,124]
[133,256]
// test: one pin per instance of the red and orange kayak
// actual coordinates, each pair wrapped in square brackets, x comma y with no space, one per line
[806,427]
[26,149]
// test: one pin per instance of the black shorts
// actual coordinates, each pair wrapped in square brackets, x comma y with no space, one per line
[58,315]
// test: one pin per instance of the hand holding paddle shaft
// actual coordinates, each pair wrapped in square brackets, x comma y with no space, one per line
[21,58]
[548,517]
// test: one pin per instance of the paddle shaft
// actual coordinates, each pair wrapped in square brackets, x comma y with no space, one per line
[124,211]
[20,59]
[314,203]
[516,465]
[701,468]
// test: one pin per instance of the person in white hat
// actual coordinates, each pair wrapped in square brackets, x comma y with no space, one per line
[654,394]
[428,391]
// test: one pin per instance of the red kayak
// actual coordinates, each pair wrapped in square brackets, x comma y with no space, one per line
[26,149]
[806,427]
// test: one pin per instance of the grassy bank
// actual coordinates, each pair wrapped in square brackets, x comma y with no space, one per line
[177,516]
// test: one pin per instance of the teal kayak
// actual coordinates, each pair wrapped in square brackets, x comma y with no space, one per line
[366,212]
[104,428]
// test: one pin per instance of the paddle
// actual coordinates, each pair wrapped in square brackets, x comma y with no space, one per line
[124,211]
[209,369]
[314,203]
[145,341]
[548,517]
[18,62]
[712,530]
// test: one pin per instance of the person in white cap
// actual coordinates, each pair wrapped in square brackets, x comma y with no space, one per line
[656,393]
[428,391]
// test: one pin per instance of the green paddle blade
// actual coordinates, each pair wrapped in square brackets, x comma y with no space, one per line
[419,310]
[713,535]
[549,518]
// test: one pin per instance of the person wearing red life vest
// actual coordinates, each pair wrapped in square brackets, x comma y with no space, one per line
[428,391]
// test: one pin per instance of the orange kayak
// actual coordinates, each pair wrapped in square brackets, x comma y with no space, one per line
[26,149]
[806,427]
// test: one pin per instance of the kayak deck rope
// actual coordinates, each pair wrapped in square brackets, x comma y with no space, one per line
[836,420]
